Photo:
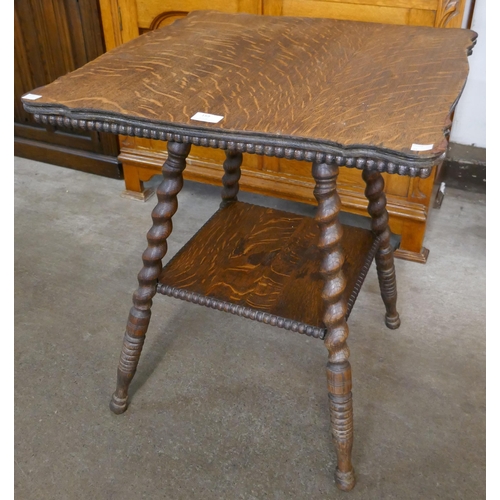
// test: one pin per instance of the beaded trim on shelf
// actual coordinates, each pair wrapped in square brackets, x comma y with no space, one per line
[243,311]
[362,276]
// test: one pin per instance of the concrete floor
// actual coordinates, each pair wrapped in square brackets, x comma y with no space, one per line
[223,407]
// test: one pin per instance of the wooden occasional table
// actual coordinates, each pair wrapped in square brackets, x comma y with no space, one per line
[334,93]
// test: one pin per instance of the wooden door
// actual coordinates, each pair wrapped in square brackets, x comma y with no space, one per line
[52,38]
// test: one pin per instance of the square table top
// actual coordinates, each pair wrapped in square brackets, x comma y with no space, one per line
[385,92]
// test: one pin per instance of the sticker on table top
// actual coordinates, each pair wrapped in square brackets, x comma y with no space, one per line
[421,147]
[207,117]
[31,97]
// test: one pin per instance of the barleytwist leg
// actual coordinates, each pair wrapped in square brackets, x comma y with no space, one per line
[338,369]
[385,254]
[232,174]
[140,313]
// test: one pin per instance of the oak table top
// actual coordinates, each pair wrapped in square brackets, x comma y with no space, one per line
[335,93]
[281,86]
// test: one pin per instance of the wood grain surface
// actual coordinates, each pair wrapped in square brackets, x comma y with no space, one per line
[324,81]
[267,261]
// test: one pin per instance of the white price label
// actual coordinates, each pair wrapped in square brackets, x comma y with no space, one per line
[31,97]
[207,117]
[421,147]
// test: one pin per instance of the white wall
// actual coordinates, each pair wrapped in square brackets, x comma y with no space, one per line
[467,13]
[469,122]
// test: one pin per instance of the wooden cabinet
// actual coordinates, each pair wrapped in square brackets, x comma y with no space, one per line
[52,38]
[408,199]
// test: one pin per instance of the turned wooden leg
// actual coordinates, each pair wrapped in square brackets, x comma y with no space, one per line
[140,313]
[338,369]
[232,174]
[384,257]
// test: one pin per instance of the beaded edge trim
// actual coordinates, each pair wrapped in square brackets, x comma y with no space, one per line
[245,312]
[363,160]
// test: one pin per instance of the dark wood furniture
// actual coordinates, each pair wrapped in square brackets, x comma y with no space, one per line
[408,198]
[52,38]
[333,93]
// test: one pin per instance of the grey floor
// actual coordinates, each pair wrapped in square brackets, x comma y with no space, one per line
[223,407]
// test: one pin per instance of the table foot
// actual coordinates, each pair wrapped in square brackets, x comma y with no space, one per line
[345,481]
[384,259]
[393,322]
[118,405]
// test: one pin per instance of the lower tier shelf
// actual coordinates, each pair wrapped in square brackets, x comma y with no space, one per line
[263,264]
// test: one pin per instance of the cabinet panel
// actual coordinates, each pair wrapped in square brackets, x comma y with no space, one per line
[346,11]
[416,4]
[149,10]
[419,17]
